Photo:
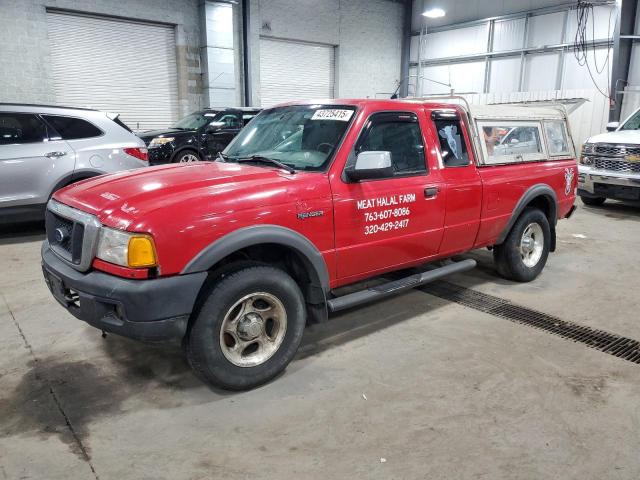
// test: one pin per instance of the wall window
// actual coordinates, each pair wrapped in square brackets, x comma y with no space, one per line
[557,141]
[452,144]
[71,128]
[21,128]
[398,134]
[511,142]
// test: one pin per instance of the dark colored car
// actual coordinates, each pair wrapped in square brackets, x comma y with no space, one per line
[198,136]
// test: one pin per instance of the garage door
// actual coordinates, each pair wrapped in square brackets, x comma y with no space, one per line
[117,66]
[295,71]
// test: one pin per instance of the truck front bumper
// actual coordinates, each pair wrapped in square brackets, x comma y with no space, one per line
[149,310]
[601,183]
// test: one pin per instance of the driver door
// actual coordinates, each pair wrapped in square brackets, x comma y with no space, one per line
[385,223]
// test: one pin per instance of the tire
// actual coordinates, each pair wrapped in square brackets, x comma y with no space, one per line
[593,201]
[186,156]
[233,359]
[519,260]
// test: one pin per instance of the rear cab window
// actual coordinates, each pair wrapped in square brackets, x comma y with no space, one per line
[453,147]
[19,128]
[72,128]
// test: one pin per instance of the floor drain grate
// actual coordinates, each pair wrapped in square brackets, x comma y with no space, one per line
[607,342]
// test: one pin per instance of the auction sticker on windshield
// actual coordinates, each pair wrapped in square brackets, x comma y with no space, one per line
[332,114]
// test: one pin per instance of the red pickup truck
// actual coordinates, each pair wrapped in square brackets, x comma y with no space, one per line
[233,257]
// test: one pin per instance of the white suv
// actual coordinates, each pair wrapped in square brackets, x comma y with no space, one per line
[44,148]
[610,163]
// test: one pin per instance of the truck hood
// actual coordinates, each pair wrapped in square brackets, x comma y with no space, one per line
[620,136]
[122,199]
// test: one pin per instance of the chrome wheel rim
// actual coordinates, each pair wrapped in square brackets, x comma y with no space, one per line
[532,245]
[253,329]
[188,158]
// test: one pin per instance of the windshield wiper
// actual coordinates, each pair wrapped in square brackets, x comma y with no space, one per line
[223,157]
[261,159]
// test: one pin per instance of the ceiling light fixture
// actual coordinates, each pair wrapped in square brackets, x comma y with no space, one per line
[434,13]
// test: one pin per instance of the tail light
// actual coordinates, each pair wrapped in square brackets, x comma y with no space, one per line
[139,153]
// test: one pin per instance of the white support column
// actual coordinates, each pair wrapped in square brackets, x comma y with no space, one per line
[218,53]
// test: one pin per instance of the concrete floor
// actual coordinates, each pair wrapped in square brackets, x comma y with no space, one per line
[450,392]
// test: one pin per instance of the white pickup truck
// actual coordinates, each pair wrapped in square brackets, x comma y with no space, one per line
[609,166]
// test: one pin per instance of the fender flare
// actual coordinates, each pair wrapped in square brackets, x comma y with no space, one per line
[256,235]
[539,190]
[72,178]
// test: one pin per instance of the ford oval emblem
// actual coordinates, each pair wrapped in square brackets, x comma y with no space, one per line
[61,235]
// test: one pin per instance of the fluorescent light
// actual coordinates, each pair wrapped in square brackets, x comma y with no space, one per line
[434,13]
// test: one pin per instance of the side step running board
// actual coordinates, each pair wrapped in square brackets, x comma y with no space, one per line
[396,286]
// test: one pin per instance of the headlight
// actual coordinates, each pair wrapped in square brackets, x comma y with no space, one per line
[586,161]
[126,249]
[156,142]
[588,148]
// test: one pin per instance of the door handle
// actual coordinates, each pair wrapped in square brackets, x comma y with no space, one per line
[431,192]
[55,154]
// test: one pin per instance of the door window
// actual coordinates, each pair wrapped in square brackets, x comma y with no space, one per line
[21,128]
[246,118]
[398,134]
[231,121]
[452,144]
[71,128]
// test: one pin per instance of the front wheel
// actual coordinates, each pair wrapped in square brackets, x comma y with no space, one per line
[524,253]
[187,156]
[248,328]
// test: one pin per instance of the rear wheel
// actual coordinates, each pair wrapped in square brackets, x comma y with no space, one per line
[593,201]
[248,328]
[187,156]
[524,253]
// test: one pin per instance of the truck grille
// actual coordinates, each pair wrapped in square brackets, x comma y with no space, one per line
[65,236]
[613,165]
[72,234]
[616,150]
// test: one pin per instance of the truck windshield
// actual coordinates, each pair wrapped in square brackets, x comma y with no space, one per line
[633,123]
[303,137]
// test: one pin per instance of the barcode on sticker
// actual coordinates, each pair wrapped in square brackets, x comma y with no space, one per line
[332,114]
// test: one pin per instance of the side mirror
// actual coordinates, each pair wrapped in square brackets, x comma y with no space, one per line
[371,165]
[612,126]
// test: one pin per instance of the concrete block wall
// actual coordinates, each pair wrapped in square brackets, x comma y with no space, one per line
[25,71]
[25,74]
[367,35]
